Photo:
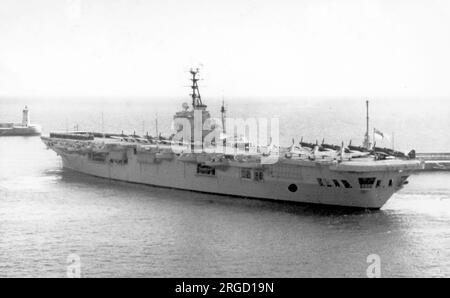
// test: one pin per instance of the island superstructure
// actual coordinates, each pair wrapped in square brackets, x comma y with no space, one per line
[20,129]
[353,176]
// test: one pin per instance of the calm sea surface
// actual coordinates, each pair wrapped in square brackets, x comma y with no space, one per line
[120,229]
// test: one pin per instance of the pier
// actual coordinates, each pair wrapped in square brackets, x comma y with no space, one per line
[435,161]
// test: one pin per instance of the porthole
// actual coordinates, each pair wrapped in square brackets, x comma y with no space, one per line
[292,188]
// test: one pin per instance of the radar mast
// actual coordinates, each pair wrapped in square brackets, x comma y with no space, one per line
[196,98]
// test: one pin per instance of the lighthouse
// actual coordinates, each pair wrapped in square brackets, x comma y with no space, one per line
[25,128]
[25,117]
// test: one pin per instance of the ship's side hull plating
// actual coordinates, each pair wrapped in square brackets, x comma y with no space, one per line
[314,183]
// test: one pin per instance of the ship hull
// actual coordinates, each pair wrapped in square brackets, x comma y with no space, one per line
[177,174]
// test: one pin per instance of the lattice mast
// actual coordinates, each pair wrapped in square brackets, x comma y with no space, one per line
[196,97]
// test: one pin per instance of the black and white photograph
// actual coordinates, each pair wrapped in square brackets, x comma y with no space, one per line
[220,140]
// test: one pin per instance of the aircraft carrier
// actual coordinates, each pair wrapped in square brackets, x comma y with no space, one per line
[352,176]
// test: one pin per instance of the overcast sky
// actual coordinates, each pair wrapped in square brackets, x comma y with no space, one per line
[246,48]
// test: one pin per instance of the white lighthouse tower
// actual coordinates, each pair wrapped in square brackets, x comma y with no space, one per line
[25,117]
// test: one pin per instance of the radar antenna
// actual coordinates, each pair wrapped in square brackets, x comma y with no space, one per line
[196,98]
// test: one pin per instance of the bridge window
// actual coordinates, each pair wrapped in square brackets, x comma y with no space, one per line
[205,170]
[336,183]
[346,184]
[319,180]
[246,174]
[259,176]
[390,182]
[378,183]
[98,156]
[366,182]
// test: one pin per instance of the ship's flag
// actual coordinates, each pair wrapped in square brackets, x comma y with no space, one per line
[377,132]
